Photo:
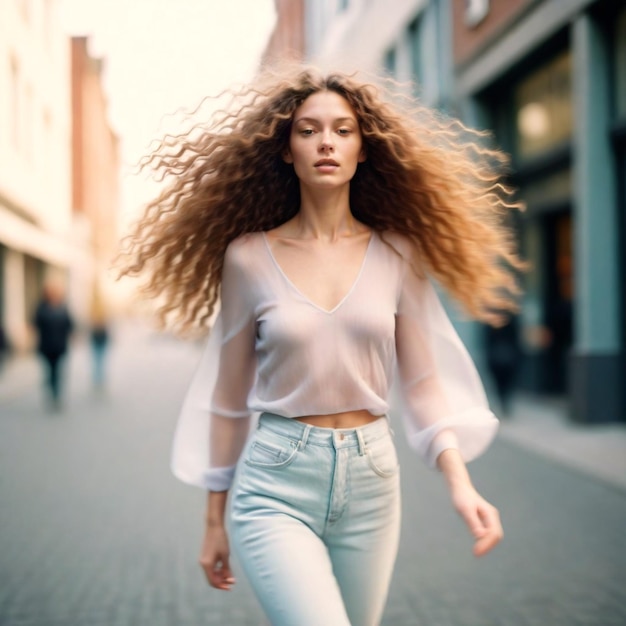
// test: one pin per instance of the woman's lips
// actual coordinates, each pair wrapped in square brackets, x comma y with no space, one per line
[326,165]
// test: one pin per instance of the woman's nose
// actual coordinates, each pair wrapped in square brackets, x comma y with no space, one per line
[326,142]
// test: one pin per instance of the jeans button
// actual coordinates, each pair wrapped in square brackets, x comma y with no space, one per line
[341,436]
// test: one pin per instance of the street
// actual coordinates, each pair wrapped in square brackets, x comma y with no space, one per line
[94,530]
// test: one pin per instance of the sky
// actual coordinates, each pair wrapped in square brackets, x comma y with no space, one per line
[164,55]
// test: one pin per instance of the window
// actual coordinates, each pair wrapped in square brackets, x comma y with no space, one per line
[543,105]
[391,61]
[551,189]
[415,51]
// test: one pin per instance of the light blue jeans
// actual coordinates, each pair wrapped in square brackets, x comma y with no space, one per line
[315,521]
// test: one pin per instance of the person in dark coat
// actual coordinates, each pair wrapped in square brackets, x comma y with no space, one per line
[503,353]
[5,348]
[99,338]
[54,326]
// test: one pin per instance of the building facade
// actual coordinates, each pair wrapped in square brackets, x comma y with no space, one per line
[35,159]
[548,78]
[95,182]
[409,40]
[287,40]
[58,167]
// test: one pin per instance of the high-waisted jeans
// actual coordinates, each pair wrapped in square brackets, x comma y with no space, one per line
[315,521]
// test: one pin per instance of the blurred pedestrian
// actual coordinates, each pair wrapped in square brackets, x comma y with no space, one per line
[54,325]
[4,347]
[315,213]
[503,351]
[99,336]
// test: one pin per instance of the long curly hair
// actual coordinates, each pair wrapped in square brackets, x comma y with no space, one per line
[426,176]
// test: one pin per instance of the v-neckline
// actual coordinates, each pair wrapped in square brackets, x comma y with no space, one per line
[295,288]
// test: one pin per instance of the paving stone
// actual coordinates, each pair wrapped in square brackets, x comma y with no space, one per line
[94,531]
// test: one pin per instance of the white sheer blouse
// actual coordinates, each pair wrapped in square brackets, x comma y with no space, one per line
[274,350]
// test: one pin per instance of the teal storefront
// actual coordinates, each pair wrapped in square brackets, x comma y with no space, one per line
[558,107]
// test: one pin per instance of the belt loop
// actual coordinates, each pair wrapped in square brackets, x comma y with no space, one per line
[359,436]
[305,436]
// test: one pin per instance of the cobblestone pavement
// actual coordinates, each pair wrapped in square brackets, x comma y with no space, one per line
[95,532]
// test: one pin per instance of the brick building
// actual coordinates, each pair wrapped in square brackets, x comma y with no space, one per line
[95,177]
[550,79]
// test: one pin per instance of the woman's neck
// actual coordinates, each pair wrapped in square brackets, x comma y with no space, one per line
[325,216]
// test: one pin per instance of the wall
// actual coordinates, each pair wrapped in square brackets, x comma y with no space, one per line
[469,39]
[95,174]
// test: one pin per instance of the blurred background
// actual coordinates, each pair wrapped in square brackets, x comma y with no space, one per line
[87,85]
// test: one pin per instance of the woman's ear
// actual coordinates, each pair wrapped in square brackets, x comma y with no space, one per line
[286,154]
[362,156]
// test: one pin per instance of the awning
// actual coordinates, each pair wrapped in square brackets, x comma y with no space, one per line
[21,235]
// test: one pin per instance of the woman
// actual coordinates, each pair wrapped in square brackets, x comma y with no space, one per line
[315,213]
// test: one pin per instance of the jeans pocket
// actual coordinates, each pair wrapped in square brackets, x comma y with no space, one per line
[270,450]
[382,457]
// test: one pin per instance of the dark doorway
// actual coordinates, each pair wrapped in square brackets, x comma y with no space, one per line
[557,301]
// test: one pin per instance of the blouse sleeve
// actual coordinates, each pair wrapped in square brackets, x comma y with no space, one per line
[214,421]
[444,403]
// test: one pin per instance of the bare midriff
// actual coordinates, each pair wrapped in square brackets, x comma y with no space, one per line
[349,419]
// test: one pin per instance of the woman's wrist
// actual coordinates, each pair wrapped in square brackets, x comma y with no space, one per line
[452,466]
[214,522]
[216,507]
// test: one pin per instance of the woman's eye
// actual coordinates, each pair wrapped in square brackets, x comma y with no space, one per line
[306,131]
[344,131]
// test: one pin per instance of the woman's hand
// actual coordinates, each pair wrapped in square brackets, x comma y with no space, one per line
[215,554]
[214,558]
[482,518]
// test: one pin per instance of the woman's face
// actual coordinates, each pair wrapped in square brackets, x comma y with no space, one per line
[325,145]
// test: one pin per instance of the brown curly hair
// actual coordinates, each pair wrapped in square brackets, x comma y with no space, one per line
[426,176]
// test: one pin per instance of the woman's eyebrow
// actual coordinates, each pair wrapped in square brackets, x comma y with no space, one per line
[314,120]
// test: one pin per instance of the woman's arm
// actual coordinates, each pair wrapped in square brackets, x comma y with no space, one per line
[215,555]
[227,439]
[229,420]
[482,518]
[445,410]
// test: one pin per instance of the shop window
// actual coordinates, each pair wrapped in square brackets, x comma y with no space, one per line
[415,39]
[620,65]
[543,106]
[564,258]
[549,190]
[532,304]
[391,62]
